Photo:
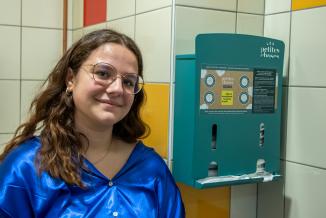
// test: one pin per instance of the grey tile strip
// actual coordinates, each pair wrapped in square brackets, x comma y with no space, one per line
[304,86]
[303,164]
[216,9]
[156,9]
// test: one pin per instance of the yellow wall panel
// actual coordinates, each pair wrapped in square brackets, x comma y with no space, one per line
[208,203]
[302,4]
[156,114]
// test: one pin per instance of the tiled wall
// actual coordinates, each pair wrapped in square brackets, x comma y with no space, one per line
[31,43]
[301,193]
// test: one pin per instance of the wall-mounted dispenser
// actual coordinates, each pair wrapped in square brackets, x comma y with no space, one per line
[227,111]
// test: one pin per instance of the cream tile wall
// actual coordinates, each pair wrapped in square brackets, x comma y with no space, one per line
[120,8]
[270,198]
[41,49]
[91,28]
[77,15]
[124,25]
[29,89]
[148,5]
[10,52]
[153,36]
[243,201]
[306,126]
[277,26]
[31,43]
[192,21]
[302,188]
[10,12]
[304,191]
[4,138]
[229,5]
[276,6]
[251,24]
[42,13]
[251,6]
[305,165]
[77,34]
[10,105]
[308,34]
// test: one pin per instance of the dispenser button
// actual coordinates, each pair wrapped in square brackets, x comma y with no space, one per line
[209,97]
[244,81]
[244,97]
[210,80]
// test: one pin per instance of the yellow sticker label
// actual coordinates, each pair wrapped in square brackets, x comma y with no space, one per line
[227,97]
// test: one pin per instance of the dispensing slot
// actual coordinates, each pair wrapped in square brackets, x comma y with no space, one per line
[214,137]
[212,169]
[261,134]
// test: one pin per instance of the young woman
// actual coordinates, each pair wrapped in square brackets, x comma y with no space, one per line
[78,155]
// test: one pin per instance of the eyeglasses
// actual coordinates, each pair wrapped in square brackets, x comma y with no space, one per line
[105,74]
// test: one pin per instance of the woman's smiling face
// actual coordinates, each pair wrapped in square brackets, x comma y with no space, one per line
[99,106]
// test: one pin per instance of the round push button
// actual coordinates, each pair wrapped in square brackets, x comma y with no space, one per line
[209,97]
[244,82]
[244,97]
[210,80]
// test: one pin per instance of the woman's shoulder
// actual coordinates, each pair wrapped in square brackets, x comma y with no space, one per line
[21,159]
[24,152]
[149,154]
[150,159]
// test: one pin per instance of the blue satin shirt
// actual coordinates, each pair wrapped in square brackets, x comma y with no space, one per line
[144,187]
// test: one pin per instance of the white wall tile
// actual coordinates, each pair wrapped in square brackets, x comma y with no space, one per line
[192,21]
[9,110]
[304,191]
[251,6]
[270,198]
[278,26]
[69,38]
[92,28]
[243,201]
[76,35]
[10,52]
[220,4]
[250,24]
[124,25]
[120,8]
[41,49]
[306,126]
[148,5]
[153,36]
[4,138]
[42,13]
[29,89]
[10,12]
[276,6]
[308,46]
[77,15]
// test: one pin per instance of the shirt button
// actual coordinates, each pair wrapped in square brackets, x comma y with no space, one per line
[110,183]
[115,213]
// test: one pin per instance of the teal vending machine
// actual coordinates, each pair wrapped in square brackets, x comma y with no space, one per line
[227,111]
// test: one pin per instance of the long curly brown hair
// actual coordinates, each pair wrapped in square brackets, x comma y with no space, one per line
[52,112]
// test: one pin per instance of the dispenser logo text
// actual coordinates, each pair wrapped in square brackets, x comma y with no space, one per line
[269,51]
